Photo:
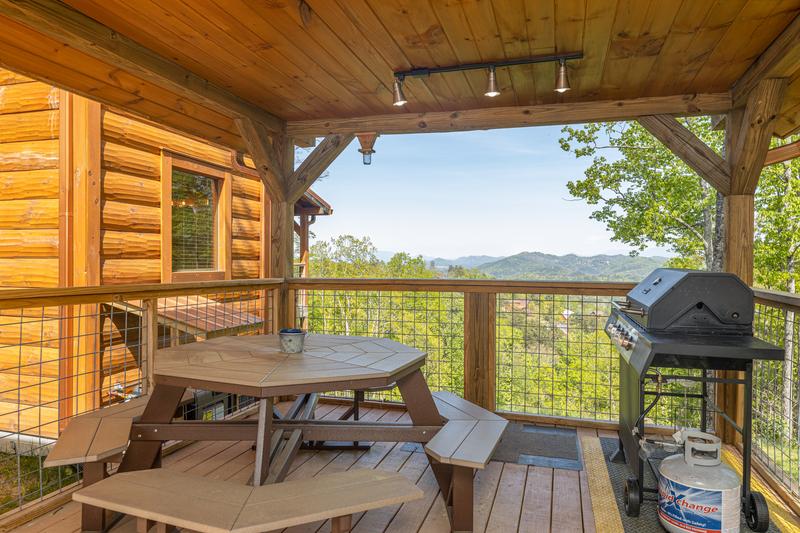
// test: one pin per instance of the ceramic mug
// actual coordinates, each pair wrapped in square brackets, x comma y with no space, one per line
[292,340]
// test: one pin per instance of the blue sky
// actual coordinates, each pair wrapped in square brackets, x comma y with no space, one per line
[446,195]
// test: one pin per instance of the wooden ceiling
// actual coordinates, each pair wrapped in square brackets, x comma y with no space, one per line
[329,59]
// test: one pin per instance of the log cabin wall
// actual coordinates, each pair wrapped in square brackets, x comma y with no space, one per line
[29,250]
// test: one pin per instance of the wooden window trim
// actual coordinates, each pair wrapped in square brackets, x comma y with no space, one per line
[223,218]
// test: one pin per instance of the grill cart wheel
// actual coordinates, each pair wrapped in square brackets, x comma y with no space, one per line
[633,497]
[757,512]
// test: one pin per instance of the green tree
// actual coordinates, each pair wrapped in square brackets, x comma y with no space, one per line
[647,196]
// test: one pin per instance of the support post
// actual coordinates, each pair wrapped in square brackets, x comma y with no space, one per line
[149,344]
[479,348]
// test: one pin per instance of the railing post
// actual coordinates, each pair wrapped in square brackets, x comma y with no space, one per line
[149,342]
[479,348]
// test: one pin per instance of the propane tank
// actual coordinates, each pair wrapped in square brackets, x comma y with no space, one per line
[697,492]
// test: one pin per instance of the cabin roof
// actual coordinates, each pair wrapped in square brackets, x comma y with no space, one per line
[312,66]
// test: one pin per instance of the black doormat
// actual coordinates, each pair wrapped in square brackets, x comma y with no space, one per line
[539,446]
[647,521]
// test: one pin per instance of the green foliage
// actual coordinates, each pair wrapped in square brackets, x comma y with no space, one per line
[646,196]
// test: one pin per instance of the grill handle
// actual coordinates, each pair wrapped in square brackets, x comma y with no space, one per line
[626,308]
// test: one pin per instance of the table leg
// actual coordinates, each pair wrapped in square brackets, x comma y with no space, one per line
[160,409]
[423,412]
[263,439]
[93,518]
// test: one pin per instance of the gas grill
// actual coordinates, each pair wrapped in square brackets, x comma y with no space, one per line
[689,320]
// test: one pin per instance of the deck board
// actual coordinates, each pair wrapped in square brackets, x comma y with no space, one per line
[507,496]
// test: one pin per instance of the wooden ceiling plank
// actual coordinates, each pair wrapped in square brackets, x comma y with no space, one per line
[518,116]
[759,41]
[414,47]
[482,32]
[456,28]
[743,41]
[357,24]
[63,74]
[171,36]
[268,42]
[569,17]
[511,19]
[780,60]
[645,48]
[433,37]
[596,43]
[350,66]
[689,61]
[789,119]
[541,28]
[691,150]
[215,25]
[752,143]
[783,153]
[85,34]
[688,22]
[316,163]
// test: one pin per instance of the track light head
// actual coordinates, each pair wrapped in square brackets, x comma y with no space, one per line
[491,83]
[562,82]
[399,99]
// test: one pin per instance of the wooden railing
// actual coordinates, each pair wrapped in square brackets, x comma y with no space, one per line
[531,350]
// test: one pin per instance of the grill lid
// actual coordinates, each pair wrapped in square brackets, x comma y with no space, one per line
[692,302]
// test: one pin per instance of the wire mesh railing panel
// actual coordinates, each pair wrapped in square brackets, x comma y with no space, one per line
[776,431]
[432,322]
[57,362]
[553,357]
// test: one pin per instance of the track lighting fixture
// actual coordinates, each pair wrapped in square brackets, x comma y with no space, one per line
[562,83]
[397,92]
[491,85]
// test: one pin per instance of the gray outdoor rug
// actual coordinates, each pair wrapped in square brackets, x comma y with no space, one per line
[647,521]
[539,446]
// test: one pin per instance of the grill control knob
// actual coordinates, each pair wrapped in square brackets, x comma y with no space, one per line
[626,342]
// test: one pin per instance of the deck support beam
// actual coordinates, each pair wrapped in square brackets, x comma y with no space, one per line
[691,150]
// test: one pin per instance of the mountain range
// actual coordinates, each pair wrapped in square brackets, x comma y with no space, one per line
[537,265]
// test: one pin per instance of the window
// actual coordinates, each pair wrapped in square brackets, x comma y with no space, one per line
[195,220]
[194,203]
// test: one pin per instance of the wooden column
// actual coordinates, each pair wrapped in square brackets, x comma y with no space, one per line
[85,158]
[479,349]
[748,131]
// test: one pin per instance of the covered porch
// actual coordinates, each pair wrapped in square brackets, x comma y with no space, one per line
[263,78]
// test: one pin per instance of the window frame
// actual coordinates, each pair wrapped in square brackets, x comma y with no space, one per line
[223,218]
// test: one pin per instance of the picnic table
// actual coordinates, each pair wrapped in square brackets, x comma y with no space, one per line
[255,366]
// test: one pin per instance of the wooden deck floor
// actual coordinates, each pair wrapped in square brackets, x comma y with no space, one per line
[508,497]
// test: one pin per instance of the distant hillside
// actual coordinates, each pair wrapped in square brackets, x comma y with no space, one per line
[536,265]
[469,261]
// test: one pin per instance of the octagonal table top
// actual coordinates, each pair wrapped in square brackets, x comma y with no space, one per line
[256,366]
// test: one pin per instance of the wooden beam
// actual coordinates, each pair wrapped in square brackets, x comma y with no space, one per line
[315,164]
[259,141]
[783,153]
[691,150]
[752,142]
[518,116]
[780,60]
[479,348]
[86,35]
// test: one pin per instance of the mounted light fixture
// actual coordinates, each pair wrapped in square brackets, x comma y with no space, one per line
[562,83]
[367,141]
[491,83]
[397,92]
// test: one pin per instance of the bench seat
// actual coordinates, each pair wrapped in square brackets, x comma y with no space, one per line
[100,435]
[470,435]
[183,500]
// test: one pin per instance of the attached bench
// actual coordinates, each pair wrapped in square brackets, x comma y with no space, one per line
[169,498]
[95,440]
[465,443]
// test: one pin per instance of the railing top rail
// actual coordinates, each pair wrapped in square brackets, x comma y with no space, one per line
[783,300]
[19,298]
[590,288]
